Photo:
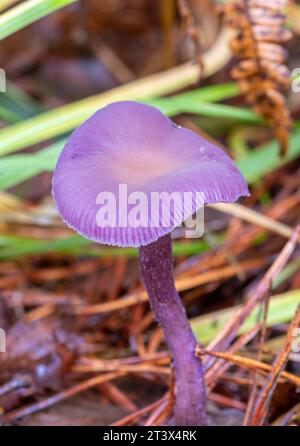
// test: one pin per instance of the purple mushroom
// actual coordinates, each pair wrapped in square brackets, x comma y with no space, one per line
[121,180]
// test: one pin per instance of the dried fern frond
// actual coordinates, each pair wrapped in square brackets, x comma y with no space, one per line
[261,71]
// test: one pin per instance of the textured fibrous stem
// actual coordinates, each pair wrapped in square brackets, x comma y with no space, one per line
[157,271]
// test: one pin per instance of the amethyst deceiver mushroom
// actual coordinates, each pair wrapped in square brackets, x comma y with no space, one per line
[135,146]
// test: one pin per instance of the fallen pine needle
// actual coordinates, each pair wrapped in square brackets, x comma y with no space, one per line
[134,417]
[251,216]
[44,404]
[248,363]
[229,332]
[264,398]
[182,284]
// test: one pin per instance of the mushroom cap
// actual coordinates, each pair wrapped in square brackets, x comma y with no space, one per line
[133,144]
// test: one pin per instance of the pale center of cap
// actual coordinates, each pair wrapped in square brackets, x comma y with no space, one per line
[140,168]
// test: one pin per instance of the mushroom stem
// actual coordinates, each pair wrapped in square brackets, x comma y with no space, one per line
[158,277]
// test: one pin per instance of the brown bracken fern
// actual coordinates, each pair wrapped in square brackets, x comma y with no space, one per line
[261,71]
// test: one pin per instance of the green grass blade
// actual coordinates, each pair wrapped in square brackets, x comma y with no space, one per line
[15,169]
[26,13]
[258,163]
[282,309]
[223,111]
[254,165]
[18,103]
[11,247]
[62,120]
[7,115]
